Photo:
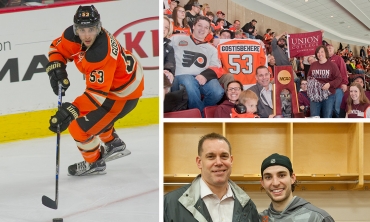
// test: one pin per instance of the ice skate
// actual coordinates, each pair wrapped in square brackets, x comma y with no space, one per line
[84,168]
[114,149]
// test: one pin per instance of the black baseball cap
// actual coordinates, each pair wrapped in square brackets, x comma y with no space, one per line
[276,159]
[359,76]
[197,4]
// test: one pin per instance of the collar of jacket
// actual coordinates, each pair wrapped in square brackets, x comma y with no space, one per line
[166,41]
[190,197]
[260,87]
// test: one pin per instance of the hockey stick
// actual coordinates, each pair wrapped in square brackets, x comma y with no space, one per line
[46,200]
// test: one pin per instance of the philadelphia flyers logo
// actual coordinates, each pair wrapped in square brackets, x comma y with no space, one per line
[196,58]
[265,218]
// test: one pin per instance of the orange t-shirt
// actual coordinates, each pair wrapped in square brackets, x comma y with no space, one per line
[110,70]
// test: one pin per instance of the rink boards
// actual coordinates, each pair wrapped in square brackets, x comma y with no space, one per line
[27,100]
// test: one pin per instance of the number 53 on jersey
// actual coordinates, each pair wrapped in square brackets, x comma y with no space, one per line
[241,57]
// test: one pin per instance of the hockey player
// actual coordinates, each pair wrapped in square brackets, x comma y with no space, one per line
[114,83]
[279,182]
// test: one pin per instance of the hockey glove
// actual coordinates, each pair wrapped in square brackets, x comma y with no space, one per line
[57,73]
[240,108]
[66,113]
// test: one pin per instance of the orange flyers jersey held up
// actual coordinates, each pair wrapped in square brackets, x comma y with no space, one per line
[241,57]
[110,70]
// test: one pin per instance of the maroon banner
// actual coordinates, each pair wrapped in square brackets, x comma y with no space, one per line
[303,44]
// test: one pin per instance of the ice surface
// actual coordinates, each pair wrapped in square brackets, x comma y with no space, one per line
[128,192]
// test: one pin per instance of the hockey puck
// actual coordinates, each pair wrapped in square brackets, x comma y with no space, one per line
[57,219]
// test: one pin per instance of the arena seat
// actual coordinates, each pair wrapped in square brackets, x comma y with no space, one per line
[209,111]
[189,113]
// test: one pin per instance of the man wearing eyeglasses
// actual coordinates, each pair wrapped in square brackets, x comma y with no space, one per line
[263,89]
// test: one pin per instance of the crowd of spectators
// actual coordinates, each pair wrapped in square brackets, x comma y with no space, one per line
[211,82]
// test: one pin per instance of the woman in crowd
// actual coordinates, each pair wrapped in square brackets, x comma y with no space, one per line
[232,93]
[206,8]
[177,100]
[359,79]
[357,103]
[303,100]
[168,53]
[323,78]
[180,25]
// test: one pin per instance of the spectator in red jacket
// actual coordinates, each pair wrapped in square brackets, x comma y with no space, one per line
[303,100]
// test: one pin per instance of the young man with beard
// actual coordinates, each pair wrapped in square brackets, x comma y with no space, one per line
[212,196]
[280,52]
[279,182]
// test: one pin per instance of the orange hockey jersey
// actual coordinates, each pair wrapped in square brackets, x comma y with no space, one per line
[241,57]
[110,70]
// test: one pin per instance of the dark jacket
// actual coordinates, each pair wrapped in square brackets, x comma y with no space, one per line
[280,54]
[248,28]
[227,24]
[168,56]
[362,53]
[224,109]
[190,18]
[303,99]
[185,205]
[264,111]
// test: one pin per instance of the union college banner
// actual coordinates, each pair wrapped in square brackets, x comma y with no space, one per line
[303,44]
